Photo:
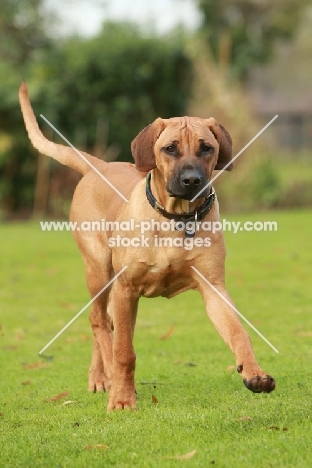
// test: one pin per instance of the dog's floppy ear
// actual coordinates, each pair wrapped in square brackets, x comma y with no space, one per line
[225,144]
[142,146]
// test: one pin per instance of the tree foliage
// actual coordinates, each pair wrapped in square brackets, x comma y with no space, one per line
[98,91]
[22,30]
[22,35]
[119,78]
[242,33]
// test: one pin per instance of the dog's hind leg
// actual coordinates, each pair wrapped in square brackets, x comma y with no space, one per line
[122,393]
[100,371]
[98,275]
[97,378]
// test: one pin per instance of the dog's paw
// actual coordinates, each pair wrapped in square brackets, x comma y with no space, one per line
[121,405]
[257,384]
[125,400]
[98,382]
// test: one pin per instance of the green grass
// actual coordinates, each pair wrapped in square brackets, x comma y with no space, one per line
[203,406]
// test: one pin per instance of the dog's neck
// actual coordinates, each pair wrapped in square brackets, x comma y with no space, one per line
[171,204]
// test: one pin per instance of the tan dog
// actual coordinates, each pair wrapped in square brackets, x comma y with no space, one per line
[181,154]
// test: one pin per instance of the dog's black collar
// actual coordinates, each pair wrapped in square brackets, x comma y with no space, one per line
[197,215]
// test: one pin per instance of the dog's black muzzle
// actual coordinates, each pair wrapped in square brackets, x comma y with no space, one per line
[187,183]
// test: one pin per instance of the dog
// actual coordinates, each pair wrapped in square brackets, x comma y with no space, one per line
[167,186]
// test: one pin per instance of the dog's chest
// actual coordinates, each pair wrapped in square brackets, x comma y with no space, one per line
[158,256]
[158,274]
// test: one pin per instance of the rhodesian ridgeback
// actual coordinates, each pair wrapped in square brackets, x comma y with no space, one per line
[174,161]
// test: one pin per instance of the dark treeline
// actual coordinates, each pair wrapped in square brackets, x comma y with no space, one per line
[101,91]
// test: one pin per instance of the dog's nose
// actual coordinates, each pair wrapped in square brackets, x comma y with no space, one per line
[190,179]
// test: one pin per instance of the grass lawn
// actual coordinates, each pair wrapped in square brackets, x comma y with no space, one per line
[193,409]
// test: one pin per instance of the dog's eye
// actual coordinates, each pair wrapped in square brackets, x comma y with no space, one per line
[207,149]
[170,149]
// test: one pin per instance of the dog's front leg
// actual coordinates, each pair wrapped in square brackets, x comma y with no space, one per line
[122,393]
[230,329]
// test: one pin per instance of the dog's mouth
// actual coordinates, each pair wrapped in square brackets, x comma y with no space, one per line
[189,195]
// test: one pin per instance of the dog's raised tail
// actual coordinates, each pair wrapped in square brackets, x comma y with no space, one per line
[64,154]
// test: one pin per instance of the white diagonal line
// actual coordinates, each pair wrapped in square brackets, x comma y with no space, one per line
[235,310]
[232,160]
[83,309]
[84,158]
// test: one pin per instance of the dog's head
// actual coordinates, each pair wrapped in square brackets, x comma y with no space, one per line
[185,150]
